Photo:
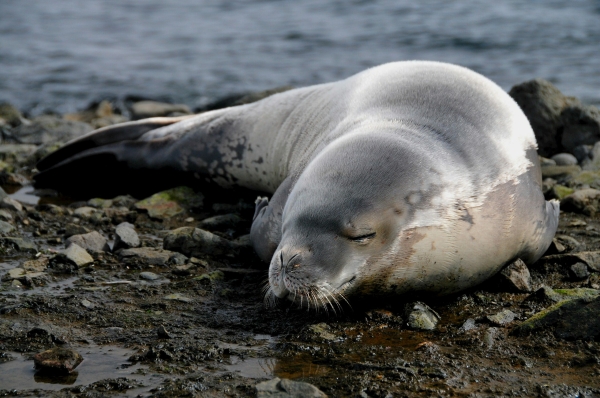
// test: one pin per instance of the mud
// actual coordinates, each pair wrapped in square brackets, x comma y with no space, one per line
[197,332]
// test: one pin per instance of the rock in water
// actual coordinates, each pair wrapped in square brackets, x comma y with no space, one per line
[57,360]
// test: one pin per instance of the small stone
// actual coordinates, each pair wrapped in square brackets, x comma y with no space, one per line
[579,200]
[150,276]
[57,360]
[579,271]
[87,303]
[125,237]
[14,273]
[75,229]
[285,388]
[92,241]
[6,228]
[166,204]
[421,317]
[564,159]
[11,204]
[322,331]
[146,109]
[149,255]
[16,284]
[468,325]
[85,212]
[489,336]
[516,275]
[19,244]
[37,265]
[503,317]
[77,255]
[162,332]
[196,242]
[178,297]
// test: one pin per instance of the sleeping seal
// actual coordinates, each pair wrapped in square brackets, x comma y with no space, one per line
[409,176]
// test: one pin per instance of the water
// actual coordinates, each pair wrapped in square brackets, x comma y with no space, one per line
[62,54]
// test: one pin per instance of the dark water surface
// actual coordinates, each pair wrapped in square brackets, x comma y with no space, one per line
[61,54]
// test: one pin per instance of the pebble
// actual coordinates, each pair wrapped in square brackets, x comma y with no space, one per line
[285,388]
[11,204]
[57,360]
[75,229]
[503,317]
[196,242]
[421,317]
[77,255]
[468,325]
[87,303]
[37,265]
[166,204]
[92,241]
[125,237]
[178,297]
[489,336]
[162,333]
[151,256]
[579,271]
[6,228]
[151,276]
[564,159]
[516,275]
[20,244]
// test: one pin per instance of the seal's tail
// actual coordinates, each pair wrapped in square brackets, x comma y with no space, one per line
[106,161]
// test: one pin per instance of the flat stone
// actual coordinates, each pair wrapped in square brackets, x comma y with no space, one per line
[516,276]
[503,317]
[560,173]
[589,258]
[178,297]
[221,223]
[564,159]
[285,388]
[84,212]
[166,204]
[149,255]
[322,331]
[6,228]
[11,204]
[77,255]
[151,276]
[125,237]
[548,296]
[92,242]
[194,242]
[57,360]
[37,265]
[87,303]
[14,273]
[100,203]
[420,316]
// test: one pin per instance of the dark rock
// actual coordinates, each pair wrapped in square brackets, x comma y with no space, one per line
[46,129]
[420,316]
[555,248]
[10,114]
[19,244]
[125,237]
[92,241]
[582,153]
[162,333]
[284,388]
[146,109]
[548,296]
[564,159]
[543,104]
[57,360]
[75,229]
[221,223]
[589,258]
[581,126]
[579,271]
[516,276]
[193,242]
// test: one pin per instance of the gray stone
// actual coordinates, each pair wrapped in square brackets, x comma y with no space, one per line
[151,256]
[5,215]
[178,297]
[99,203]
[6,228]
[193,242]
[581,200]
[77,255]
[3,194]
[92,241]
[125,237]
[502,318]
[38,265]
[87,304]
[221,223]
[57,360]
[582,153]
[84,212]
[560,173]
[14,273]
[421,317]
[589,258]
[516,276]
[548,296]
[11,204]
[285,388]
[579,271]
[145,109]
[75,229]
[468,325]
[543,104]
[564,159]
[489,337]
[581,126]
[47,128]
[19,244]
[150,276]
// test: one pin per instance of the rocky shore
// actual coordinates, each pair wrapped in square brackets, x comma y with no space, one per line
[161,295]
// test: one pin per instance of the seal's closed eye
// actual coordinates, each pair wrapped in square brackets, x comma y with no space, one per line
[362,238]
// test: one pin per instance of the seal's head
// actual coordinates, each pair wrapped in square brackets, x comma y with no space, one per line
[342,219]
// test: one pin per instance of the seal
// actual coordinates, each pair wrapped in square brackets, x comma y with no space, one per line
[407,177]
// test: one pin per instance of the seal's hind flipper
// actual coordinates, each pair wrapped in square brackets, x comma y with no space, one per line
[107,135]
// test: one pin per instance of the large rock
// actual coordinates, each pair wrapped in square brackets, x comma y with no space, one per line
[193,242]
[169,203]
[93,242]
[57,360]
[581,126]
[285,388]
[46,128]
[543,104]
[145,109]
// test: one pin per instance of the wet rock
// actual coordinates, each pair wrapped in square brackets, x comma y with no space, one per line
[125,237]
[151,256]
[579,271]
[221,223]
[564,159]
[92,242]
[581,126]
[284,388]
[11,115]
[162,333]
[502,318]
[6,228]
[47,129]
[150,276]
[543,104]
[580,201]
[193,242]
[19,244]
[14,273]
[77,255]
[421,317]
[75,229]
[169,203]
[85,212]
[516,276]
[322,331]
[577,319]
[57,360]
[37,265]
[11,204]
[146,109]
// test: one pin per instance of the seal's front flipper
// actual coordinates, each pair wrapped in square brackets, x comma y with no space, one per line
[265,234]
